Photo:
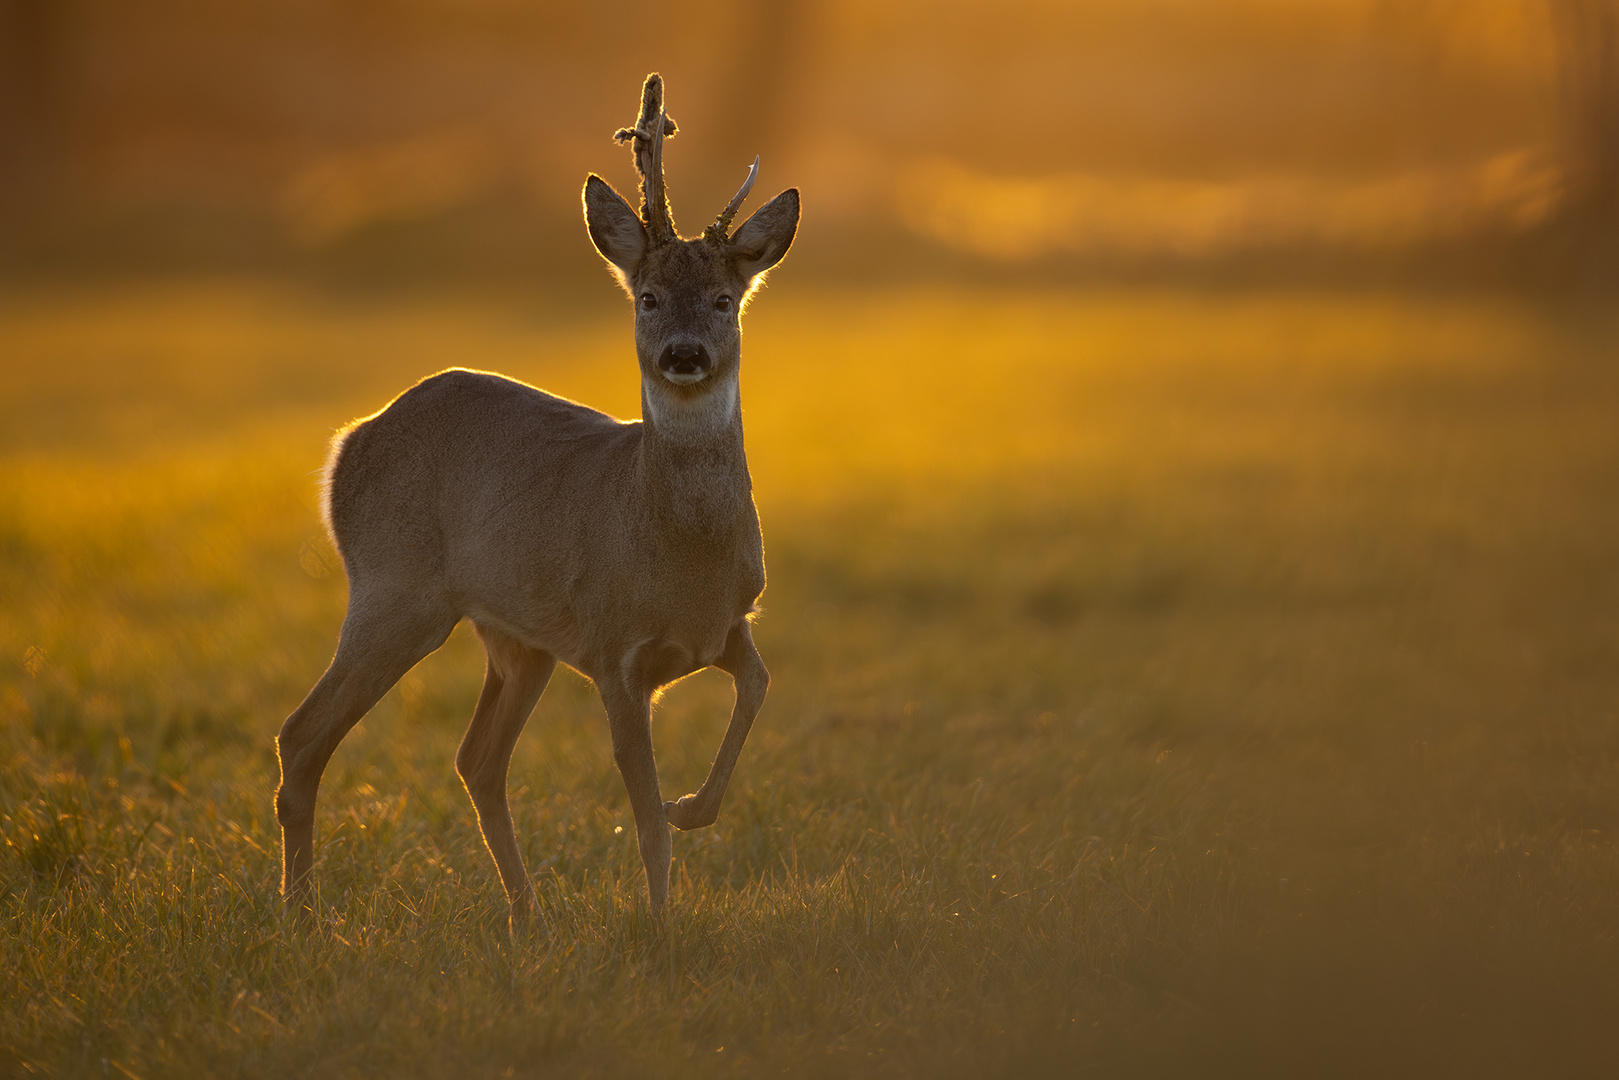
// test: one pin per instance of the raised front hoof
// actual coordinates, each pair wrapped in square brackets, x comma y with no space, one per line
[686,813]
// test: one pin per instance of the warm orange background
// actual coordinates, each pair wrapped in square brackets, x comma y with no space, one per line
[432,139]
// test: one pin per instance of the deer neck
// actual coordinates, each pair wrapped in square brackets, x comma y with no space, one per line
[693,466]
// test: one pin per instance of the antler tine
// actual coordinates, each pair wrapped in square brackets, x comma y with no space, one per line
[648,135]
[719,233]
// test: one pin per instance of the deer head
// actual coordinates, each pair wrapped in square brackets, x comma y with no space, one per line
[688,294]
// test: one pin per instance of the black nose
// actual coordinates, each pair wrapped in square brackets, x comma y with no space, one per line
[684,359]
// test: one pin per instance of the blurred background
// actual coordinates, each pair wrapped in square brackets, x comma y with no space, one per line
[431,140]
[1184,436]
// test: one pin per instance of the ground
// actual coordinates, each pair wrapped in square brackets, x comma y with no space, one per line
[1163,683]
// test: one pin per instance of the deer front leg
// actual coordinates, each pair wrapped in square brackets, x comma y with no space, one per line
[741,661]
[629,715]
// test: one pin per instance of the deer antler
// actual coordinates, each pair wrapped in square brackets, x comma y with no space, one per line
[719,233]
[648,135]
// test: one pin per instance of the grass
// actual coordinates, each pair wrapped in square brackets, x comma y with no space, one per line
[1162,683]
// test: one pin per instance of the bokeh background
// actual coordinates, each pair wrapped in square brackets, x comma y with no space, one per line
[1186,436]
[419,140]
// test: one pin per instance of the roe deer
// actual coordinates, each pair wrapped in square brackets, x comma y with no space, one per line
[628,551]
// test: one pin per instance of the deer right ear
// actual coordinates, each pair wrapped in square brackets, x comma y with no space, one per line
[614,228]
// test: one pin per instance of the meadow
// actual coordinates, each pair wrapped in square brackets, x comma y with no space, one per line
[1164,682]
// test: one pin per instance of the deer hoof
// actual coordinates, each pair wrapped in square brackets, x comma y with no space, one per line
[684,814]
[524,922]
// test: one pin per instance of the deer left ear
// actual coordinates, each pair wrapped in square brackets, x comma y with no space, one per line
[764,238]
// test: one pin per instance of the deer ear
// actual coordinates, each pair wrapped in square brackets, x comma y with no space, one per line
[764,238]
[614,228]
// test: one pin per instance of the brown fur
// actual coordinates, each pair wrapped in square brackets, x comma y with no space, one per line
[628,551]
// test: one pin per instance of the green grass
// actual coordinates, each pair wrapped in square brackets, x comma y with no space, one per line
[1162,684]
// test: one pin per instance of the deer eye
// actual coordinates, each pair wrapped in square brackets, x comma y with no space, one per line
[648,301]
[723,304]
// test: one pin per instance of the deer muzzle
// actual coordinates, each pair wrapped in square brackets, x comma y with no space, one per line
[685,363]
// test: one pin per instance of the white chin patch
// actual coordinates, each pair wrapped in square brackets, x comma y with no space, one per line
[685,418]
[685,378]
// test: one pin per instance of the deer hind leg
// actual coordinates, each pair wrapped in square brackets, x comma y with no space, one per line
[629,716]
[741,661]
[513,682]
[378,645]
